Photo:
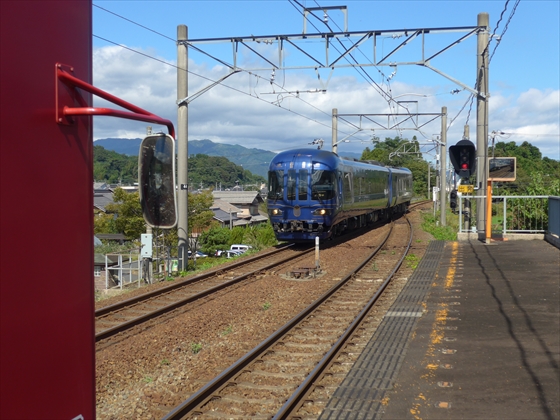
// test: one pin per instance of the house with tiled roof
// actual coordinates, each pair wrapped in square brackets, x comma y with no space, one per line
[226,214]
[247,201]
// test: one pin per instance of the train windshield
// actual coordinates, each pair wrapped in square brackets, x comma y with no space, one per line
[303,183]
[276,185]
[291,184]
[322,185]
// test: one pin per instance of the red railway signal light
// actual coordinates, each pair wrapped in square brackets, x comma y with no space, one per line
[463,158]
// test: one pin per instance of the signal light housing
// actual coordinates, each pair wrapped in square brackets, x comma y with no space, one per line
[463,158]
[453,199]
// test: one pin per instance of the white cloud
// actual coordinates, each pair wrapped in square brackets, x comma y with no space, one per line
[257,114]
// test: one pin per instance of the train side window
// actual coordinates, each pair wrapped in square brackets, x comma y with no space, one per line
[276,185]
[291,185]
[347,187]
[303,184]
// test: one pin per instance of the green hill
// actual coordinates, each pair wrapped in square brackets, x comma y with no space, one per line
[253,160]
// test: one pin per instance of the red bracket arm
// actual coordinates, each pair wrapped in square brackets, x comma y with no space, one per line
[64,113]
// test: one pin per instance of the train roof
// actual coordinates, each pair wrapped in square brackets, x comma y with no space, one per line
[329,159]
[314,155]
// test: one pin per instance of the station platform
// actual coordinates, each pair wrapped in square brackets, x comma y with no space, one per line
[475,334]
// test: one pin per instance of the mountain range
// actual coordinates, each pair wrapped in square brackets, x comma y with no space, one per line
[254,160]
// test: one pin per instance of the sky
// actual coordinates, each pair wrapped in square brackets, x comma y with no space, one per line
[135,57]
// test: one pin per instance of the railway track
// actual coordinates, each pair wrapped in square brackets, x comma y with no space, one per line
[278,375]
[122,316]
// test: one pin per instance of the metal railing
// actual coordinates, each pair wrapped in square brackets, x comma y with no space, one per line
[511,214]
[127,270]
[554,216]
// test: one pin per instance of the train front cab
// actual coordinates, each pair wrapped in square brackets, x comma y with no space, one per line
[302,196]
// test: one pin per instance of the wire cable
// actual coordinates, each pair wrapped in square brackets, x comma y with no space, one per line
[276,103]
[471,98]
[223,84]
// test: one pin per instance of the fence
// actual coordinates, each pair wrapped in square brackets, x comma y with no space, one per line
[554,216]
[128,267]
[512,214]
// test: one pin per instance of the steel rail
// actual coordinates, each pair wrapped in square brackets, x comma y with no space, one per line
[146,296]
[204,394]
[109,332]
[293,402]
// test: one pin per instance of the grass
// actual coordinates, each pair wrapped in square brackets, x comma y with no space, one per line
[228,330]
[196,347]
[412,261]
[266,306]
[432,225]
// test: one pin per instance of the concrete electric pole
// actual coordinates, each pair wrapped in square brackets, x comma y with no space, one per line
[482,122]
[443,174]
[182,145]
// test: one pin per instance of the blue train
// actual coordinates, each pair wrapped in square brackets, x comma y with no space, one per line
[315,193]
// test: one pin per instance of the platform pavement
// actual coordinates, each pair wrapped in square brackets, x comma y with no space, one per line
[486,345]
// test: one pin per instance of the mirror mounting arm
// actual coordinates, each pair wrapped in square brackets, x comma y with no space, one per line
[66,98]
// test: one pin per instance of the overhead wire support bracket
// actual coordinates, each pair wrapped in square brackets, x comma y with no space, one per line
[327,37]
[260,55]
[189,99]
[307,10]
[464,86]
[407,149]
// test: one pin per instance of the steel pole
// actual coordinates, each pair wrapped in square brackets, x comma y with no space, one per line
[182,146]
[443,178]
[429,182]
[482,122]
[334,130]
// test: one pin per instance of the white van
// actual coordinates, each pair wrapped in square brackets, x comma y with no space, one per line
[240,248]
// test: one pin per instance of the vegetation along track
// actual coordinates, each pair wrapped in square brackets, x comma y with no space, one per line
[274,377]
[124,315]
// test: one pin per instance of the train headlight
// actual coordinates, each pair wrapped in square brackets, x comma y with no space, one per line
[275,212]
[321,212]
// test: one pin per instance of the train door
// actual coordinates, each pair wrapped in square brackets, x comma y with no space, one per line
[392,189]
[348,187]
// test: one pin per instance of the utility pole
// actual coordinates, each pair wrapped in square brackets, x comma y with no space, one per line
[443,173]
[182,145]
[147,254]
[335,130]
[482,122]
[429,180]
[467,202]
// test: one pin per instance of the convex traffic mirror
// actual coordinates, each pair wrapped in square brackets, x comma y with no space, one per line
[156,179]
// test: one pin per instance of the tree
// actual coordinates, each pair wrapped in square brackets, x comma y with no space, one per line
[104,223]
[260,236]
[216,238]
[217,170]
[130,220]
[200,217]
[414,162]
[114,167]
[530,164]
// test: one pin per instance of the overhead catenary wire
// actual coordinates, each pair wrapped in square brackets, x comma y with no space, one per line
[471,96]
[388,96]
[275,103]
[225,85]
